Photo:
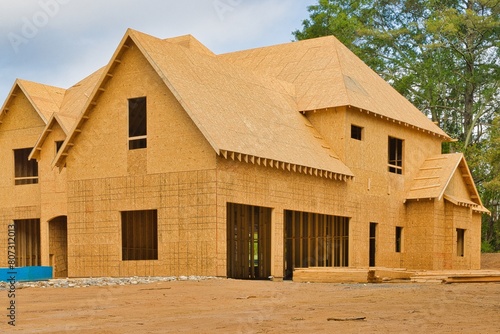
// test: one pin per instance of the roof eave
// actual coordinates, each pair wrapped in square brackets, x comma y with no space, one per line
[288,166]
[8,100]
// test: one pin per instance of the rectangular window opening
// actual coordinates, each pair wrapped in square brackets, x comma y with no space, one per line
[356,132]
[395,155]
[460,242]
[26,171]
[137,123]
[399,239]
[139,235]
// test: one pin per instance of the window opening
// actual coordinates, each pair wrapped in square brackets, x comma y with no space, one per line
[137,123]
[395,155]
[139,235]
[373,243]
[26,171]
[399,239]
[59,144]
[356,132]
[460,242]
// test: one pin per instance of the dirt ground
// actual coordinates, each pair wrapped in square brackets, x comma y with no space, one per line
[236,306]
[490,261]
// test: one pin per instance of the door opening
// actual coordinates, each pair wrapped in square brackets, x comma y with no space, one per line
[248,241]
[58,246]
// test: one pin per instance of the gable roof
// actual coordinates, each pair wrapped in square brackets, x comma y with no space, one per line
[243,115]
[326,74]
[44,99]
[435,175]
[68,110]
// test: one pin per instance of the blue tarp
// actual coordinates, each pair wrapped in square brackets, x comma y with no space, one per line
[26,274]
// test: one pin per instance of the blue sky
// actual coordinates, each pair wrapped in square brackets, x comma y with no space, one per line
[59,42]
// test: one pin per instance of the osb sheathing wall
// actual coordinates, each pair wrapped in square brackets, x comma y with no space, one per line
[20,128]
[378,193]
[53,195]
[419,234]
[175,174]
[186,224]
[463,218]
[430,240]
[368,158]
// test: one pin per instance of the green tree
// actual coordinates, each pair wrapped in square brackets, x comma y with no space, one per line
[443,56]
[491,187]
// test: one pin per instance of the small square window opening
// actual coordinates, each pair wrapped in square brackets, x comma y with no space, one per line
[356,132]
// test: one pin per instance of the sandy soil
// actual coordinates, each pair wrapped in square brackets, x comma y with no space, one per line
[490,261]
[235,306]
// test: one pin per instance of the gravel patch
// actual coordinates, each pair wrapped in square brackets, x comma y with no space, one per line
[101,281]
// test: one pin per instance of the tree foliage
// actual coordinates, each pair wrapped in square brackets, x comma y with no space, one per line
[443,56]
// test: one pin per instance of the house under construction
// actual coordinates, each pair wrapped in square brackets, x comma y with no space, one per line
[172,160]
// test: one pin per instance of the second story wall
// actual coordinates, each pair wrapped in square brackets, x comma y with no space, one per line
[20,129]
[173,142]
[367,155]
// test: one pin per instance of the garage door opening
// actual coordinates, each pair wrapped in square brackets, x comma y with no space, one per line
[315,240]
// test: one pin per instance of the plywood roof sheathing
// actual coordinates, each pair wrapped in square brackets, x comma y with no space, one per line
[427,187]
